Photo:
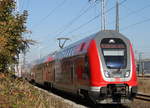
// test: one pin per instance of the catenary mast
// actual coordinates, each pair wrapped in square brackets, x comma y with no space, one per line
[103,15]
[117,15]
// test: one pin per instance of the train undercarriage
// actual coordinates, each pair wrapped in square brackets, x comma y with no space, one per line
[114,94]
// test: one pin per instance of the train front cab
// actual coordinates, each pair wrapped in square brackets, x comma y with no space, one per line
[112,69]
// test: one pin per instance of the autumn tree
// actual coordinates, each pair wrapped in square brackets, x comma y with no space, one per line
[12,29]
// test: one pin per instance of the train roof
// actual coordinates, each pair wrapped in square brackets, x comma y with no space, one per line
[101,34]
[105,33]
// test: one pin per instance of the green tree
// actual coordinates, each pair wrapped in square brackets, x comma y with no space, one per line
[12,29]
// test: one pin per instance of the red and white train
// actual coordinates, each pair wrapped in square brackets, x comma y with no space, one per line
[101,67]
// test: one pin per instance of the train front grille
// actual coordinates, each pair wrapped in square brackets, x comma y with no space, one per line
[115,92]
[121,89]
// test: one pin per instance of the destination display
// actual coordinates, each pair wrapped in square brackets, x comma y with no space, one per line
[113,52]
[112,46]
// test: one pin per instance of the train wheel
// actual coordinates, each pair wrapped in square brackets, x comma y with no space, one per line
[33,82]
[86,97]
[47,86]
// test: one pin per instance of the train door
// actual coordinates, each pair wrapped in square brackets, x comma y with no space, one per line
[58,71]
[78,70]
[70,70]
[72,73]
[82,72]
[48,73]
[44,69]
[39,74]
[53,72]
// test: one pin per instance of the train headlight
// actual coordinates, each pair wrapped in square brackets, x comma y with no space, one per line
[127,73]
[107,73]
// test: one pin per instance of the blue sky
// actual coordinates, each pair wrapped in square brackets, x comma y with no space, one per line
[48,18]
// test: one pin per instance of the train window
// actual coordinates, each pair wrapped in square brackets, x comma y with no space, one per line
[72,52]
[82,46]
[69,51]
[86,68]
[114,52]
[65,53]
[86,64]
[72,72]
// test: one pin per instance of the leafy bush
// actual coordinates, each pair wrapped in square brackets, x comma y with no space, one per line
[12,29]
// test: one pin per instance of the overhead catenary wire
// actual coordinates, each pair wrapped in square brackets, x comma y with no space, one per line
[50,13]
[136,11]
[84,24]
[27,4]
[85,33]
[133,12]
[137,23]
[97,16]
[82,12]
[22,4]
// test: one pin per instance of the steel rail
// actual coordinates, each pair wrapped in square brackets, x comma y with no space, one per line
[143,96]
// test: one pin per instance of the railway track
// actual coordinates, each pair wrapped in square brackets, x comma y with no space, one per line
[145,76]
[81,103]
[143,96]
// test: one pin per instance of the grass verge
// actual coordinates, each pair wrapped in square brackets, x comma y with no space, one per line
[144,85]
[18,93]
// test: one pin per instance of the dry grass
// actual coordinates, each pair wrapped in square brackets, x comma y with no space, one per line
[17,93]
[144,85]
[140,104]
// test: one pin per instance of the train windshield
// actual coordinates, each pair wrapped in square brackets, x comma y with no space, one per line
[114,52]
